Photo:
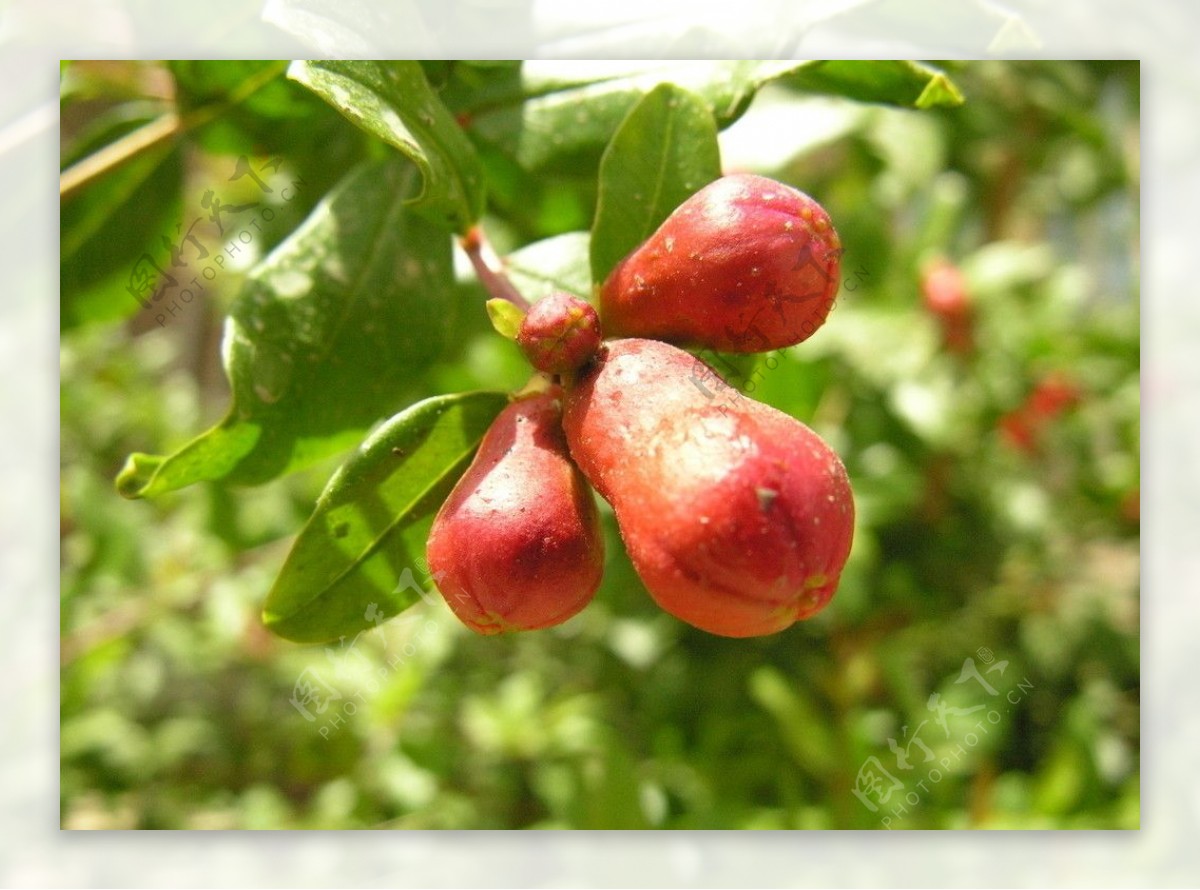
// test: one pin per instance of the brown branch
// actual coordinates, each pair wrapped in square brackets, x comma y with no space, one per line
[114,154]
[158,131]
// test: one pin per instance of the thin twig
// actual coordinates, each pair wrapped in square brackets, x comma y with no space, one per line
[159,130]
[489,269]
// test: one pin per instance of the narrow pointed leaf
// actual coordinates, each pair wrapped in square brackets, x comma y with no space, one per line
[665,150]
[393,100]
[505,317]
[893,82]
[355,562]
[331,333]
[551,114]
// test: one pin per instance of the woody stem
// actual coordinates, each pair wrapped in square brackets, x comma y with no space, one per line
[488,268]
[157,132]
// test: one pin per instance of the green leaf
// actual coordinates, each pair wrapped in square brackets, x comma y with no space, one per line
[939,91]
[907,84]
[240,106]
[328,335]
[352,564]
[541,204]
[393,100]
[801,721]
[112,223]
[505,317]
[257,86]
[665,150]
[559,114]
[552,264]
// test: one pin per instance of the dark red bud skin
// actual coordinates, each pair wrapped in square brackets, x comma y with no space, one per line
[1052,395]
[945,295]
[560,333]
[1025,426]
[746,264]
[1018,430]
[737,517]
[959,336]
[517,545]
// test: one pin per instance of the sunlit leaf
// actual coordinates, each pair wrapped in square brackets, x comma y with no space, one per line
[356,560]
[665,150]
[393,100]
[330,334]
[553,114]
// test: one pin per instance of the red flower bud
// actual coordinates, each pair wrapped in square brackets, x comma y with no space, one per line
[746,264]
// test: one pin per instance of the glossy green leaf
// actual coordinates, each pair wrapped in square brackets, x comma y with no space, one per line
[553,114]
[248,106]
[393,100]
[552,264]
[353,564]
[329,334]
[541,204]
[665,150]
[505,317]
[258,86]
[892,82]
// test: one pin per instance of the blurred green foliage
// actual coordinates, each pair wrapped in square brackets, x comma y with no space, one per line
[995,472]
